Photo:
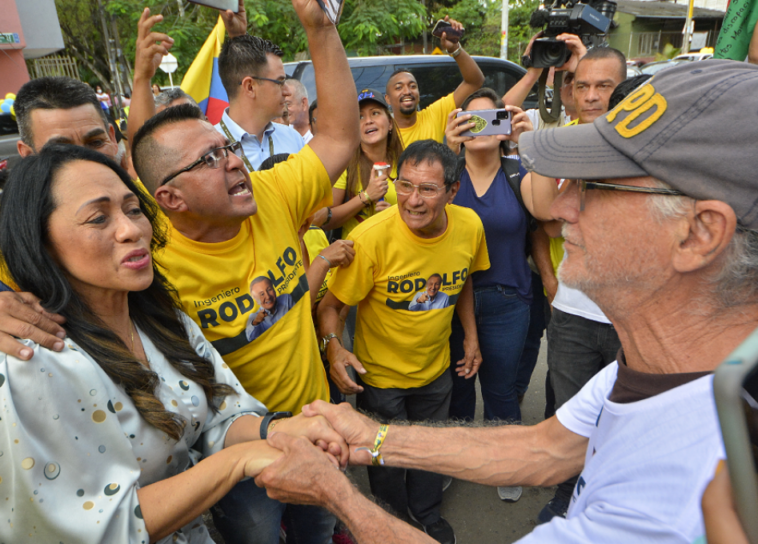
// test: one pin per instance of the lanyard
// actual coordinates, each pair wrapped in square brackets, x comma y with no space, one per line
[244,157]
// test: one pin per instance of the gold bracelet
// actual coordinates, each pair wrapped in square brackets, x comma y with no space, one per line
[368,200]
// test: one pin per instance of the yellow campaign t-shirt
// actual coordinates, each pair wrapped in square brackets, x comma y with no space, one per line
[316,242]
[390,197]
[402,339]
[276,359]
[430,122]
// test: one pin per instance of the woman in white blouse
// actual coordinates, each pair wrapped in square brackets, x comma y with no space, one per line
[137,426]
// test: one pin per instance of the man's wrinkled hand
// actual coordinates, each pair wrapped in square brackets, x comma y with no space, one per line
[340,253]
[358,430]
[301,474]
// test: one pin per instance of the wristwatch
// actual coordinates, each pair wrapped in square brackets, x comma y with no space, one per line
[328,338]
[268,418]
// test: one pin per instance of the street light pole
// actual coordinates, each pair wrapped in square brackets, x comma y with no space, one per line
[504,32]
[688,28]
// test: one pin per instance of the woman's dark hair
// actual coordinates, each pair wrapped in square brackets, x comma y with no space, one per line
[359,167]
[24,242]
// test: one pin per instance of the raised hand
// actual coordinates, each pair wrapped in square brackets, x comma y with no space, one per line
[377,184]
[235,23]
[450,44]
[520,123]
[151,46]
[456,125]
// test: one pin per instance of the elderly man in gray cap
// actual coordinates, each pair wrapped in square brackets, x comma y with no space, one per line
[664,238]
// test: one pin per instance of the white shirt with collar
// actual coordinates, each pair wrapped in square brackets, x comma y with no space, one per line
[285,140]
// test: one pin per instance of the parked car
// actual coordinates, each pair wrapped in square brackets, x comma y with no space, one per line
[437,75]
[655,67]
[694,56]
[632,71]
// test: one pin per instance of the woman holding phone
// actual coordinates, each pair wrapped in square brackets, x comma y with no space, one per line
[502,293]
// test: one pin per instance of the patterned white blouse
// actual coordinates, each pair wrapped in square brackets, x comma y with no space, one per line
[74,450]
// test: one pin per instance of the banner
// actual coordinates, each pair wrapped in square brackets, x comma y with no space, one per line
[737,29]
[202,81]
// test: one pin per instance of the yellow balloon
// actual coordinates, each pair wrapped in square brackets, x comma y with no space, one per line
[11,96]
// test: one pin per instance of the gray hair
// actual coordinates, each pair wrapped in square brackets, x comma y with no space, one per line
[169,95]
[298,89]
[736,283]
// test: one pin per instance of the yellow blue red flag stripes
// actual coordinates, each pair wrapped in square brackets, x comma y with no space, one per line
[202,81]
[739,23]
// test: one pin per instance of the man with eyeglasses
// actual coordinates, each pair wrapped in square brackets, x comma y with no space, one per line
[580,338]
[252,73]
[402,355]
[678,277]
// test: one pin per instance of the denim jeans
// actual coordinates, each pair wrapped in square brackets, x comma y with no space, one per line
[399,489]
[502,321]
[537,325]
[246,515]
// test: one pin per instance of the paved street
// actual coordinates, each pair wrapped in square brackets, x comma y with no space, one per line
[476,513]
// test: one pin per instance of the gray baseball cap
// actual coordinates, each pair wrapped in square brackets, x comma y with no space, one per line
[693,126]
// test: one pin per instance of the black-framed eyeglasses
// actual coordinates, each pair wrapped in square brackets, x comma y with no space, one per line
[425,190]
[212,159]
[279,82]
[585,185]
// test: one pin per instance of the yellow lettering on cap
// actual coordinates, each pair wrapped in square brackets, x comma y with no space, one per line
[639,102]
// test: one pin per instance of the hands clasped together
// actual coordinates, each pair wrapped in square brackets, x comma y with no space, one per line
[314,445]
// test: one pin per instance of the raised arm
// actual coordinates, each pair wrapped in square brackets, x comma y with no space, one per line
[473,78]
[337,138]
[151,46]
[518,93]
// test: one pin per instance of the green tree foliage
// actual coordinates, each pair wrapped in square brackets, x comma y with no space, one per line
[365,27]
[482,20]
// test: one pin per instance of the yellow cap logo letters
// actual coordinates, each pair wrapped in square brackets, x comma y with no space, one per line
[638,103]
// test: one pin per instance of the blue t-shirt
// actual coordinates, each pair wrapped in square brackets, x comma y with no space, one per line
[505,227]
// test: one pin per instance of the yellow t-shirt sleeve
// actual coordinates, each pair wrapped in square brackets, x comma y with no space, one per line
[353,283]
[341,183]
[439,110]
[302,181]
[482,258]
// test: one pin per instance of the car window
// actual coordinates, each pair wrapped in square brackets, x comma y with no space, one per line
[374,77]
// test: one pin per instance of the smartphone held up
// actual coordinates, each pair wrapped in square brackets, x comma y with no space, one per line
[487,122]
[333,9]
[447,28]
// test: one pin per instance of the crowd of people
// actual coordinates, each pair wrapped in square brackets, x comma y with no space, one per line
[184,311]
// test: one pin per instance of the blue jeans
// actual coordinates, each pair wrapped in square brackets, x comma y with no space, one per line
[502,321]
[537,325]
[246,515]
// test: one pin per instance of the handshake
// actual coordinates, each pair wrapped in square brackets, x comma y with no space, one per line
[313,448]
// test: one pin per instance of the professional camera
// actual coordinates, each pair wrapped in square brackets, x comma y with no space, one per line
[588,20]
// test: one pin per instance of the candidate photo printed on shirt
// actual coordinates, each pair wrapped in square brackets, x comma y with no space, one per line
[272,307]
[430,298]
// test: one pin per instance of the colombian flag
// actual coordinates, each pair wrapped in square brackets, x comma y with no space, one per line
[737,29]
[202,81]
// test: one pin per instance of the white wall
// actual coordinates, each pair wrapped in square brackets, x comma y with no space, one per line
[42,31]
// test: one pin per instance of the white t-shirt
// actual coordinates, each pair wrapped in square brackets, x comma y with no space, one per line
[647,465]
[539,124]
